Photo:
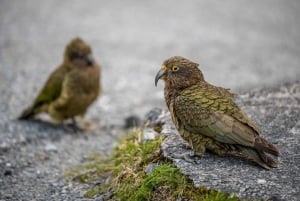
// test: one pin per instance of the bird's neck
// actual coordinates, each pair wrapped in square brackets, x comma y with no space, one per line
[170,93]
[172,90]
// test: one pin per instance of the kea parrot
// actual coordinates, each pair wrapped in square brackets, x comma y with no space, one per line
[207,117]
[71,88]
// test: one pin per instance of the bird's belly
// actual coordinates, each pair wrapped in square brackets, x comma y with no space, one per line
[79,105]
[73,106]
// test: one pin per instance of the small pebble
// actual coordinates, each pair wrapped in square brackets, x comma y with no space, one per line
[8,172]
[150,168]
[50,147]
[261,181]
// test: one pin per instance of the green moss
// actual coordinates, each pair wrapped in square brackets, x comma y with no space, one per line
[124,175]
[167,183]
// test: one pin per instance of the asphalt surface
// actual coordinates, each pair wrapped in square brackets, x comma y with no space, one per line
[239,45]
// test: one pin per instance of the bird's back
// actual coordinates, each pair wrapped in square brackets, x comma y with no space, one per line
[203,99]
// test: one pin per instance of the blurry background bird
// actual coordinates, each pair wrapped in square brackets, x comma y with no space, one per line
[71,88]
[207,117]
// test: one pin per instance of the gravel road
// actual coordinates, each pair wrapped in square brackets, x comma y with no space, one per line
[239,44]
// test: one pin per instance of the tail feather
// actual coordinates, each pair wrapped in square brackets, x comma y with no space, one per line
[268,160]
[258,157]
[263,145]
[27,114]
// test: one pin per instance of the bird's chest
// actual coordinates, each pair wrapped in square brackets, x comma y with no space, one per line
[85,82]
[173,115]
[170,95]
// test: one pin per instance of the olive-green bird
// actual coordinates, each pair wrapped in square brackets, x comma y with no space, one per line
[207,117]
[71,88]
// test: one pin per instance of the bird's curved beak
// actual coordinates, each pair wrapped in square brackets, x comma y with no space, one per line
[160,74]
[90,59]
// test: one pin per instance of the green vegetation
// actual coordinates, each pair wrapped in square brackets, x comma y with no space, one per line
[124,176]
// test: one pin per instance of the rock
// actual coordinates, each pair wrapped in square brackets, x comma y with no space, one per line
[50,147]
[149,134]
[4,147]
[150,168]
[132,121]
[261,181]
[277,112]
[8,172]
[153,115]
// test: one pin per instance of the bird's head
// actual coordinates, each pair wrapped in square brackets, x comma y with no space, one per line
[78,53]
[179,72]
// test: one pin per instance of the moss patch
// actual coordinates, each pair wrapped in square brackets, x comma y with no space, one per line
[122,176]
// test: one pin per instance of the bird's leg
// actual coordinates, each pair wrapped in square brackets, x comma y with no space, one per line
[188,154]
[75,126]
[74,122]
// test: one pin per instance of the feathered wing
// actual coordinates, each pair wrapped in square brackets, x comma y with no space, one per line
[60,105]
[210,111]
[50,92]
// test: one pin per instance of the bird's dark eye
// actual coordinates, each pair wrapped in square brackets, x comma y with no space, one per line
[175,68]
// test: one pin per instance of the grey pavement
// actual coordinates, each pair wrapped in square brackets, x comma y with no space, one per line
[239,44]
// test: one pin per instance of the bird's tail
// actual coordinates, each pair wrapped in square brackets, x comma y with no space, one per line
[258,153]
[262,145]
[259,157]
[27,114]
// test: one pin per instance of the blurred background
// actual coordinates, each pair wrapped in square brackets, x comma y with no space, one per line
[239,44]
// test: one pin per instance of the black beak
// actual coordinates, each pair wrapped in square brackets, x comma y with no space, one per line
[90,59]
[159,75]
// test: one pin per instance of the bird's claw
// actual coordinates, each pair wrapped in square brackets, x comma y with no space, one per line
[189,156]
[73,127]
[76,129]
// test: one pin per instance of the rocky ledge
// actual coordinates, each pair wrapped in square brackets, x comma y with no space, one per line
[277,112]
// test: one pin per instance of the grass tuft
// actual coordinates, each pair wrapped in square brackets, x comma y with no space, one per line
[123,175]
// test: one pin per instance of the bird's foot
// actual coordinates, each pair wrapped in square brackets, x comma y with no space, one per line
[190,156]
[76,126]
[76,129]
[71,128]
